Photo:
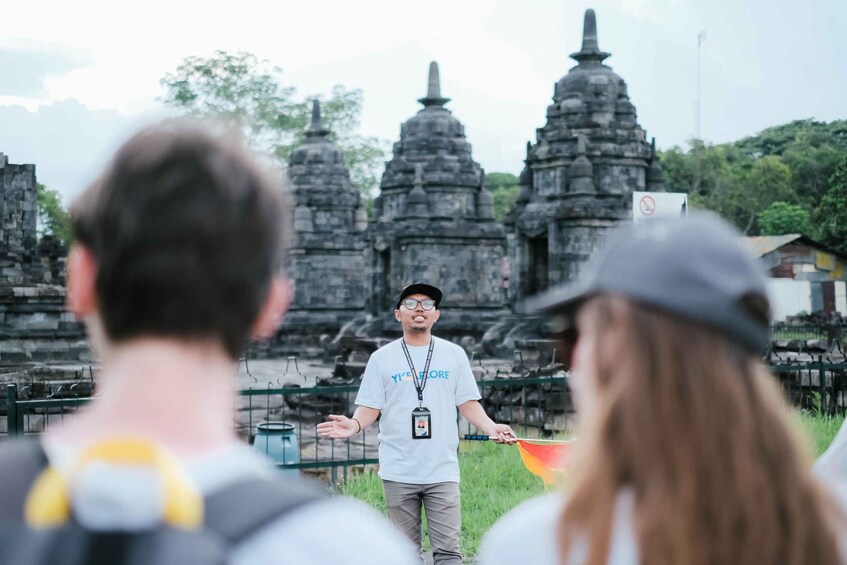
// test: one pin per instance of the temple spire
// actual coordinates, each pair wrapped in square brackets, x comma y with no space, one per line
[316,128]
[433,91]
[590,51]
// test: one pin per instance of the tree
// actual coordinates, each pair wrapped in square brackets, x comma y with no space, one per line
[791,163]
[767,181]
[811,168]
[781,217]
[777,140]
[52,219]
[831,214]
[504,188]
[677,169]
[711,175]
[240,90]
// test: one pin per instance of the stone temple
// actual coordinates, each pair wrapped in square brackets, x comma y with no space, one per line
[326,259]
[433,220]
[580,174]
[34,326]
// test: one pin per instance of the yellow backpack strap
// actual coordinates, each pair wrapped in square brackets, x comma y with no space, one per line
[48,502]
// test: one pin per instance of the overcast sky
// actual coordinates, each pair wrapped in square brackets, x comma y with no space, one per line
[77,77]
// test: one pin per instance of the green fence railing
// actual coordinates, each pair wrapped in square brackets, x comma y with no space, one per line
[542,403]
[782,331]
[531,402]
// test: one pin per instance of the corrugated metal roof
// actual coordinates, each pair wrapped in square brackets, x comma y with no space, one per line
[764,244]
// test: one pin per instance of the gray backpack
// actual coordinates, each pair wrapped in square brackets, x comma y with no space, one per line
[231,516]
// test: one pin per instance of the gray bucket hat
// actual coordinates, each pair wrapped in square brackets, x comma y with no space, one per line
[697,267]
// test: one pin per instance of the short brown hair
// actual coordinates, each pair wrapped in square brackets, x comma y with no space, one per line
[187,232]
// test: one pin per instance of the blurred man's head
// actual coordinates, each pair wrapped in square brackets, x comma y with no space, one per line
[181,237]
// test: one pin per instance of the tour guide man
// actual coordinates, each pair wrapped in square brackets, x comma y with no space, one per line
[415,383]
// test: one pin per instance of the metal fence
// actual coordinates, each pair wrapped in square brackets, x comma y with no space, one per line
[819,385]
[805,332]
[540,403]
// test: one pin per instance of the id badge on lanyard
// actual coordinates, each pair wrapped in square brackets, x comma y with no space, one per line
[421,416]
[421,423]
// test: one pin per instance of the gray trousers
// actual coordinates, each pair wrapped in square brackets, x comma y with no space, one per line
[443,515]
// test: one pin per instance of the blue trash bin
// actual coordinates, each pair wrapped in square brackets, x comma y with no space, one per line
[278,441]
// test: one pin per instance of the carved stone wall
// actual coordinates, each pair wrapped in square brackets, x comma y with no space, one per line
[18,216]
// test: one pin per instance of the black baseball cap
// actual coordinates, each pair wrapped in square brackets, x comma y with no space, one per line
[696,267]
[420,288]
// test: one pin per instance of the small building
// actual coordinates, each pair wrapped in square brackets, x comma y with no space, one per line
[805,276]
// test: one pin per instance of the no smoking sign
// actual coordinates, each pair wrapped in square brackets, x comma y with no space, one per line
[651,205]
[647,205]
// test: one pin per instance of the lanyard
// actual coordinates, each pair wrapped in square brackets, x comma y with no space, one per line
[419,386]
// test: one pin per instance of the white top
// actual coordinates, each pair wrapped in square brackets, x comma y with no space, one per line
[326,532]
[387,386]
[832,465]
[528,534]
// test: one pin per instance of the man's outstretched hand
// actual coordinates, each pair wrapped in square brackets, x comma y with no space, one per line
[500,433]
[338,427]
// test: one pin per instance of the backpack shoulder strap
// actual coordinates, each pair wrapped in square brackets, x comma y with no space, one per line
[241,509]
[20,463]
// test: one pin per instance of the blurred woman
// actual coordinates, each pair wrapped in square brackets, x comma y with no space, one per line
[687,453]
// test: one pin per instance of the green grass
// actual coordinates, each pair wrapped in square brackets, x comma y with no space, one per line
[494,480]
[821,430]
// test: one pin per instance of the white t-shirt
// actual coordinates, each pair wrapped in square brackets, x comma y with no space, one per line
[325,532]
[387,386]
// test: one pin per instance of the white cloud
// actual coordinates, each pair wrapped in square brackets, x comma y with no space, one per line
[499,60]
[67,141]
[25,66]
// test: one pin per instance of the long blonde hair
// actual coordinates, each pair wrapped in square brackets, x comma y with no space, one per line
[700,433]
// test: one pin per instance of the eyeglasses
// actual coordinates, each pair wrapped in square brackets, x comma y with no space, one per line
[412,303]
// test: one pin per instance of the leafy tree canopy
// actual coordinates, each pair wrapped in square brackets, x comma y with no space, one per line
[792,163]
[53,219]
[777,140]
[781,218]
[243,91]
[831,214]
[504,188]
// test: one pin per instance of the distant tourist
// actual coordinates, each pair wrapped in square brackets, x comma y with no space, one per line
[176,266]
[414,386]
[687,454]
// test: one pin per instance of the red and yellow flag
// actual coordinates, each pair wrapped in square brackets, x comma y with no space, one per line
[545,459]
